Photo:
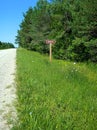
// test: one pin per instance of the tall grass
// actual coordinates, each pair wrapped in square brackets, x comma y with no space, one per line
[55,96]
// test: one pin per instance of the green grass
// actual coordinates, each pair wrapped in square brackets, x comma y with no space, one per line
[55,96]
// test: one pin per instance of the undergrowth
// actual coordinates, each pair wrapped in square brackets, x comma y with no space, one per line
[55,96]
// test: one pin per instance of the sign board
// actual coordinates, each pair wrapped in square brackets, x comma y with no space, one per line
[50,41]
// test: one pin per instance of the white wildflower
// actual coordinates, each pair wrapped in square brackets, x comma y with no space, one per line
[30,113]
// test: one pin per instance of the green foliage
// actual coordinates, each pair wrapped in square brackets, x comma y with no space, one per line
[92,50]
[78,50]
[55,96]
[5,45]
[82,50]
[69,22]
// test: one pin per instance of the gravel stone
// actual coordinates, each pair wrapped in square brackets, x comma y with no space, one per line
[7,88]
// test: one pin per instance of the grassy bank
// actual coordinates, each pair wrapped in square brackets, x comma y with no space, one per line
[55,96]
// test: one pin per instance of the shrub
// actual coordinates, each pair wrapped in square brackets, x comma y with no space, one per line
[78,50]
[92,50]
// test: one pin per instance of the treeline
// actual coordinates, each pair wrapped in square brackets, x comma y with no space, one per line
[5,45]
[72,23]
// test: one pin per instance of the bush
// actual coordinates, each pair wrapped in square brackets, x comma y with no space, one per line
[92,50]
[78,50]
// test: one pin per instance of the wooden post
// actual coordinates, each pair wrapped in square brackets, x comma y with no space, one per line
[50,52]
[50,42]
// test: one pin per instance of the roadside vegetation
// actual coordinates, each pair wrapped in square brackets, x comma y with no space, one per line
[60,95]
[5,45]
[71,23]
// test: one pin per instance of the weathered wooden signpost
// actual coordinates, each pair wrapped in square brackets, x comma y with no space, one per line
[50,42]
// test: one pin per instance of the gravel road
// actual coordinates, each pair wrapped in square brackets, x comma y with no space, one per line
[7,88]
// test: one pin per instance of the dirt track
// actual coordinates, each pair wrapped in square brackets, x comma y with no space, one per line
[7,88]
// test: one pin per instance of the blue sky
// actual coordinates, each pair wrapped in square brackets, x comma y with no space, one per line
[11,15]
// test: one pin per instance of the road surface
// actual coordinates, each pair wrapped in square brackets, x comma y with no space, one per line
[7,88]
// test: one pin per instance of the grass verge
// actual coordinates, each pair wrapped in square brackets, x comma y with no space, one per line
[55,96]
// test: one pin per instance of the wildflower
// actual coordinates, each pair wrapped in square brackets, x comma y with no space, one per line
[30,113]
[72,71]
[74,63]
[66,77]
